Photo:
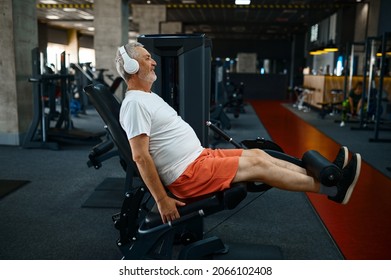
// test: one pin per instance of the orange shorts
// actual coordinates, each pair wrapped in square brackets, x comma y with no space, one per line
[212,171]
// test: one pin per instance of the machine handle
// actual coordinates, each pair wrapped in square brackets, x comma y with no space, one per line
[223,134]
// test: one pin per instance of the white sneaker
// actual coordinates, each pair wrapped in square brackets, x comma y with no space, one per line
[342,124]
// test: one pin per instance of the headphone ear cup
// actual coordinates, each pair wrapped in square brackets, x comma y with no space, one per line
[131,65]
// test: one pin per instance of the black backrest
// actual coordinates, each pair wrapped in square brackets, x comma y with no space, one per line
[108,108]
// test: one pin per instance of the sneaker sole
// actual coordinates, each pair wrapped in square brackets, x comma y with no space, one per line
[345,157]
[346,151]
[351,187]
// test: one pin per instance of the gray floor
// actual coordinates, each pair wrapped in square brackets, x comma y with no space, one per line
[45,220]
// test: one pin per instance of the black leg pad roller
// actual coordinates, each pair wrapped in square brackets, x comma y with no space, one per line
[321,168]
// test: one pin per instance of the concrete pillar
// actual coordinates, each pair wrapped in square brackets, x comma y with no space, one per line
[374,17]
[149,17]
[19,35]
[247,63]
[171,27]
[111,25]
[73,47]
[43,39]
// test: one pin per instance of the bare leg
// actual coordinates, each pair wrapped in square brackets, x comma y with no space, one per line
[279,162]
[257,166]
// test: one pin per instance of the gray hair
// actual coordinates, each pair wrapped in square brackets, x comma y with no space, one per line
[119,61]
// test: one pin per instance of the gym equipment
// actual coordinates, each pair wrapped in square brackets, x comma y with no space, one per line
[217,97]
[304,95]
[235,101]
[84,75]
[41,134]
[319,167]
[383,62]
[142,233]
[115,82]
[101,152]
[217,114]
[371,113]
[37,135]
[331,106]
[368,87]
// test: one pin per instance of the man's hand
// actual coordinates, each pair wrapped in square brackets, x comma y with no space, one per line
[167,206]
[168,209]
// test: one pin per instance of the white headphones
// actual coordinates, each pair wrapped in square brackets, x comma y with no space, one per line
[131,65]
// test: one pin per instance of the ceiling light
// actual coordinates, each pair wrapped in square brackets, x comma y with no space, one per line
[242,2]
[85,15]
[379,52]
[331,47]
[48,2]
[317,52]
[52,17]
[69,10]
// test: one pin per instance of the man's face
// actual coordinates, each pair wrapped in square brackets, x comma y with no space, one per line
[147,65]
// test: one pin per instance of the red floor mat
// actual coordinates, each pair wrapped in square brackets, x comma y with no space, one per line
[361,229]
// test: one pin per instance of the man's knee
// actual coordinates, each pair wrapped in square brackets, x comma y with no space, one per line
[254,153]
[254,158]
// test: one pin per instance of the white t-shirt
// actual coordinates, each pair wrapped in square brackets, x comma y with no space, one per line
[173,143]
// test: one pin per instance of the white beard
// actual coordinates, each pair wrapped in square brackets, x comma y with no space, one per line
[148,77]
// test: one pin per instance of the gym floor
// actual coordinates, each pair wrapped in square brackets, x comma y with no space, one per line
[47,218]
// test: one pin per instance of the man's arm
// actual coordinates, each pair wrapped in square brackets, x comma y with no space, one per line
[167,206]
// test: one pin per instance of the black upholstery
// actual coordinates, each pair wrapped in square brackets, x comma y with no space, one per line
[326,172]
[108,108]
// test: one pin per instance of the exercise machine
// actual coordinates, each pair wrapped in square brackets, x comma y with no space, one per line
[48,129]
[371,112]
[142,235]
[304,95]
[376,138]
[44,87]
[85,75]
[218,115]
[235,98]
